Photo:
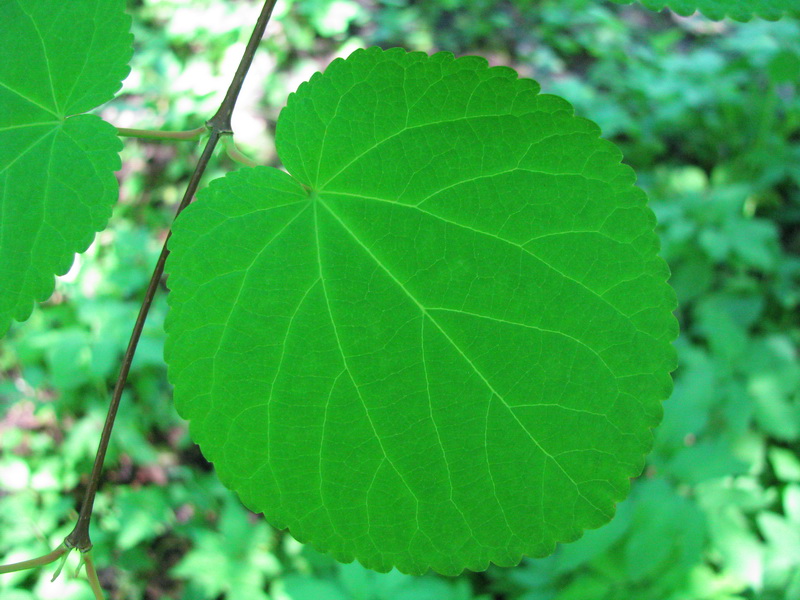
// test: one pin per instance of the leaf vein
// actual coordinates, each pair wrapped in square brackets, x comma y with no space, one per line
[458,349]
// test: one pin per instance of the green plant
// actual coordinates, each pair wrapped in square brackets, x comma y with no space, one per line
[218,197]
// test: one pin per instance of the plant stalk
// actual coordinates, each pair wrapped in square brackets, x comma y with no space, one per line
[79,537]
[35,562]
[91,575]
[235,154]
[190,135]
[222,119]
[218,125]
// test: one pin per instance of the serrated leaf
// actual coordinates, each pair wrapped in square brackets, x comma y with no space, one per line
[740,10]
[443,338]
[57,166]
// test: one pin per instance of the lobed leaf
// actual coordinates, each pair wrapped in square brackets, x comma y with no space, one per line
[740,10]
[57,183]
[443,338]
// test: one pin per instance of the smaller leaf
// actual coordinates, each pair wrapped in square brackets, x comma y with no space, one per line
[740,10]
[57,166]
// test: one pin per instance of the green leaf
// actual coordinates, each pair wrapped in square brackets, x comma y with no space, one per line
[234,561]
[444,338]
[785,463]
[667,547]
[740,10]
[294,586]
[784,540]
[784,67]
[57,183]
[705,460]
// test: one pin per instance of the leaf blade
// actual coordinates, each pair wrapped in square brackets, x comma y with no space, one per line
[56,170]
[438,376]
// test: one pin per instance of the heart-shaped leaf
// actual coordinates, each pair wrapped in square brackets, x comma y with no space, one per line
[442,339]
[57,185]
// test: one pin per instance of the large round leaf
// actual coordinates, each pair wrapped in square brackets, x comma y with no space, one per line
[444,339]
[60,58]
[741,10]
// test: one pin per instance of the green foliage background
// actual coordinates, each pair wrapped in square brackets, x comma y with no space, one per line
[708,114]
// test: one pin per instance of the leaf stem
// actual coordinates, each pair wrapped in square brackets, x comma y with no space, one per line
[235,154]
[149,134]
[91,575]
[40,561]
[219,124]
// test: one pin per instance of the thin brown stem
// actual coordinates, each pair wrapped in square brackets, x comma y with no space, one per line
[40,561]
[222,119]
[79,538]
[190,135]
[218,124]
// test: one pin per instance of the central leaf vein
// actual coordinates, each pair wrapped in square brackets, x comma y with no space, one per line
[349,370]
